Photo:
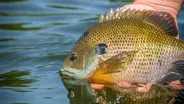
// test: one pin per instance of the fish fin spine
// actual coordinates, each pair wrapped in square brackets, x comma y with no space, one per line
[162,20]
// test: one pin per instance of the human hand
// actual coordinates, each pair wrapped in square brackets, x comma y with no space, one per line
[171,6]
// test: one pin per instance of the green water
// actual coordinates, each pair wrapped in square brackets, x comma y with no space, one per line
[35,38]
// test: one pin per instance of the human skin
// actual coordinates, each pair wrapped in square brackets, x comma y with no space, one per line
[171,6]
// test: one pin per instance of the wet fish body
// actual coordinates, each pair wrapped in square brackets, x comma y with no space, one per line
[131,45]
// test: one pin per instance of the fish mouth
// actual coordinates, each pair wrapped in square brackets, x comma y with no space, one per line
[66,72]
[78,74]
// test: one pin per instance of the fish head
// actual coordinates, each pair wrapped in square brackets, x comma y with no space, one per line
[83,59]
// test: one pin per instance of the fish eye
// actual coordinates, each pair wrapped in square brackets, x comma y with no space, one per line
[73,57]
[101,49]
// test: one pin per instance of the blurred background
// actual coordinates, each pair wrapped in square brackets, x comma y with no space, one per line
[35,38]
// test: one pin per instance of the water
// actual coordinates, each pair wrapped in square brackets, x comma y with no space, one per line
[35,38]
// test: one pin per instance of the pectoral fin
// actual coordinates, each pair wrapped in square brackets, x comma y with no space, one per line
[118,62]
[172,76]
[176,74]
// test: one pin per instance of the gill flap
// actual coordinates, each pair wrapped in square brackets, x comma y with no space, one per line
[118,62]
[162,20]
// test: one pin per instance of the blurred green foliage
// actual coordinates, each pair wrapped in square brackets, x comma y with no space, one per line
[13,79]
[11,0]
[18,26]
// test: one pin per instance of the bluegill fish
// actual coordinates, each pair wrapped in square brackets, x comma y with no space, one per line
[132,45]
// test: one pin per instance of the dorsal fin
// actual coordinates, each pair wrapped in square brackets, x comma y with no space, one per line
[159,19]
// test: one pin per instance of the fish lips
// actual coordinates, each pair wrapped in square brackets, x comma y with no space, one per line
[64,72]
[68,73]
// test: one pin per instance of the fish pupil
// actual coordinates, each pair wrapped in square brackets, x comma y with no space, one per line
[101,49]
[73,57]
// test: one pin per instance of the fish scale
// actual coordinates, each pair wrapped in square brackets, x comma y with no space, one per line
[139,45]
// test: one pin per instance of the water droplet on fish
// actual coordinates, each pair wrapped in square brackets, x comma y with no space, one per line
[99,99]
[71,94]
[64,80]
[118,99]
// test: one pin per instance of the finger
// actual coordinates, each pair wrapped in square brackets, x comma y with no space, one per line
[125,84]
[97,86]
